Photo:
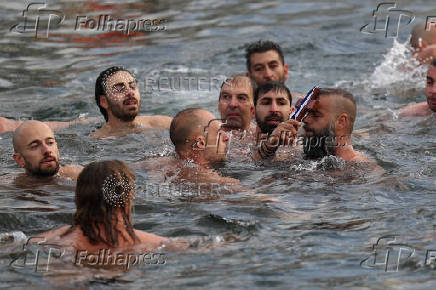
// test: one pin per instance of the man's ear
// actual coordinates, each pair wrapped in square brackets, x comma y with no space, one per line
[286,74]
[341,123]
[18,158]
[248,74]
[292,109]
[200,143]
[104,102]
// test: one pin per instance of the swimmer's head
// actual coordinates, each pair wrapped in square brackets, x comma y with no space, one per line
[35,149]
[265,62]
[423,42]
[272,102]
[104,195]
[332,116]
[236,102]
[199,136]
[430,88]
[117,94]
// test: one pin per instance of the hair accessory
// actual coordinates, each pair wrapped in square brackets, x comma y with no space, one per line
[116,192]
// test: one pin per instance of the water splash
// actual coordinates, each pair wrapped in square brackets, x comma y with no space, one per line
[399,71]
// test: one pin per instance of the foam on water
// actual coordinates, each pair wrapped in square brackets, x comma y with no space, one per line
[398,69]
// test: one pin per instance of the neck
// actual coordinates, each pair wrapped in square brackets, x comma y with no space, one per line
[115,123]
[344,148]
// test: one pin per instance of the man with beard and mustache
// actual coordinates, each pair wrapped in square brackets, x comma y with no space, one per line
[272,102]
[117,96]
[36,150]
[424,108]
[329,124]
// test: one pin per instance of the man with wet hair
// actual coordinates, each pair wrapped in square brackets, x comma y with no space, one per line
[328,127]
[424,108]
[423,42]
[273,107]
[36,150]
[265,62]
[117,96]
[103,218]
[236,102]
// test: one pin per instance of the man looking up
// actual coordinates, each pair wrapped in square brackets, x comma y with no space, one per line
[265,62]
[117,96]
[424,108]
[36,150]
[236,103]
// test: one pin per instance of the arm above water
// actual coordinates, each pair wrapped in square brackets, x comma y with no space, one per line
[156,122]
[415,110]
[70,171]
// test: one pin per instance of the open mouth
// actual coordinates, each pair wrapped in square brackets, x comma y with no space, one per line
[130,102]
[233,115]
[48,160]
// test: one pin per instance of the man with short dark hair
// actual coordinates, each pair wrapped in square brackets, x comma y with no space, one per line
[117,96]
[424,108]
[265,62]
[328,126]
[236,103]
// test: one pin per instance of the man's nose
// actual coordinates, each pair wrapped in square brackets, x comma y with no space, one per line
[268,74]
[234,102]
[46,150]
[274,107]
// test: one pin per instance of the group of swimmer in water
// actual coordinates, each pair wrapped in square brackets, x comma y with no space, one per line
[105,189]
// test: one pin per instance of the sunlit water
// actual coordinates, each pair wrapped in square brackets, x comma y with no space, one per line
[330,214]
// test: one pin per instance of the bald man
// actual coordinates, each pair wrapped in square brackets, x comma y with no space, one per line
[423,42]
[424,108]
[328,127]
[36,150]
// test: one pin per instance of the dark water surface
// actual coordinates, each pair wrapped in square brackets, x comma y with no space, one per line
[328,219]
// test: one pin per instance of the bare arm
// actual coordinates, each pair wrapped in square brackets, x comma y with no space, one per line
[415,110]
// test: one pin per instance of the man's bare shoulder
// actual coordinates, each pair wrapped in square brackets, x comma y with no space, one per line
[156,122]
[7,125]
[416,110]
[70,171]
[150,240]
[53,235]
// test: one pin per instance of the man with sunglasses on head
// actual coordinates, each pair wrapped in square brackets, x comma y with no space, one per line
[117,96]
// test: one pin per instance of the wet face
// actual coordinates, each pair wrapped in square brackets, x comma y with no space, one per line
[430,89]
[122,95]
[266,67]
[217,138]
[272,108]
[236,104]
[38,152]
[319,127]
